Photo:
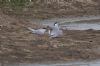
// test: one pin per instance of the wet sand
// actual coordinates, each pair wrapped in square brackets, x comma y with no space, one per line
[19,45]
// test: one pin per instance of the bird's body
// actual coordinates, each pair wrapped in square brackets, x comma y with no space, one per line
[55,31]
[38,31]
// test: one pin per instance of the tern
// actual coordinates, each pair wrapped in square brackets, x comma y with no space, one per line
[55,31]
[40,31]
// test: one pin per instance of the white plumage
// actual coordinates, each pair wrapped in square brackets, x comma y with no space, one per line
[55,32]
[38,31]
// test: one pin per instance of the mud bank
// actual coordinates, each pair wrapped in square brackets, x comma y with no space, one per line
[19,45]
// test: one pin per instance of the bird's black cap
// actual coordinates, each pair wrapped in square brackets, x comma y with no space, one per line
[55,23]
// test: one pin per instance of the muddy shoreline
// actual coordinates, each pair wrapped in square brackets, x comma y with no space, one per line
[80,45]
[19,45]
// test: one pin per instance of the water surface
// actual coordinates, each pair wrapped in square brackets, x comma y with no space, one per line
[78,63]
[74,23]
[82,26]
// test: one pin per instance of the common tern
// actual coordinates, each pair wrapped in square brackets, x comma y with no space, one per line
[40,31]
[55,31]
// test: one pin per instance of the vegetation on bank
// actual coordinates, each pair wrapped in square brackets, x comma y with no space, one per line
[13,4]
[50,8]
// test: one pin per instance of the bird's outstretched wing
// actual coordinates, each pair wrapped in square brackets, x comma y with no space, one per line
[37,31]
[33,30]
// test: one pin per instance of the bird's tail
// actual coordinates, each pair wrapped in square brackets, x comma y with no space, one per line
[33,30]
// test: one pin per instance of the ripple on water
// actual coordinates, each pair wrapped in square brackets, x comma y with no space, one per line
[82,26]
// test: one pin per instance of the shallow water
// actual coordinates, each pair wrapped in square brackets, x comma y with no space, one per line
[65,20]
[71,23]
[82,26]
[78,63]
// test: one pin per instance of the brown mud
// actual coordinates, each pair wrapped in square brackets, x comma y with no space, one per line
[17,44]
